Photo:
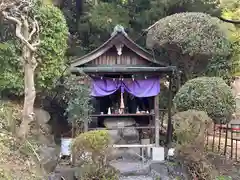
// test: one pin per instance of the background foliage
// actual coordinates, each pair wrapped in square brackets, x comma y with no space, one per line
[78,98]
[231,10]
[90,23]
[54,35]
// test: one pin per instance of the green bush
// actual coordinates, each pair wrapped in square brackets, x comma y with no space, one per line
[190,130]
[93,142]
[96,146]
[208,94]
[190,126]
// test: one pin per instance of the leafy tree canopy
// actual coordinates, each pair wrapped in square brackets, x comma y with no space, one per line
[90,22]
[78,97]
[191,39]
[53,35]
[119,15]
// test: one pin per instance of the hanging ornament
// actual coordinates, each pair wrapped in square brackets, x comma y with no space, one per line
[145,77]
[132,77]
[114,79]
[101,77]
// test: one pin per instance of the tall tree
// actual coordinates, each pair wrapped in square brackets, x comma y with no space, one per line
[27,31]
[33,24]
[191,40]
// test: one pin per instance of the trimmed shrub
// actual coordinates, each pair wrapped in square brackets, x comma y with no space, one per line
[208,94]
[190,130]
[92,151]
[95,143]
[196,41]
[190,126]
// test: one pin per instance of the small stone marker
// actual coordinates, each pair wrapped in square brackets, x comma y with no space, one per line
[158,154]
[65,146]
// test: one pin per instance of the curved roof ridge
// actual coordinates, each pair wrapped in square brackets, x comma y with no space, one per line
[115,37]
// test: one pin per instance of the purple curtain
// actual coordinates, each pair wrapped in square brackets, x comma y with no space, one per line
[139,88]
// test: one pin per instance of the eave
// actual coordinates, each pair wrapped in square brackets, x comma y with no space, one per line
[118,37]
[123,70]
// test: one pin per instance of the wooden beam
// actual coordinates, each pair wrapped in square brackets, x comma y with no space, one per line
[85,125]
[122,70]
[132,145]
[157,120]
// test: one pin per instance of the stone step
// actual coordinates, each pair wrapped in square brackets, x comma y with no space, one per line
[66,172]
[131,168]
[135,178]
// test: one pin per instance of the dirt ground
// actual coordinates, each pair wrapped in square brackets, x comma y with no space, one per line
[224,163]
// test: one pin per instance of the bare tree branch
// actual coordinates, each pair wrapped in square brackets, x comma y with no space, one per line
[4,4]
[19,31]
[25,22]
[35,28]
[229,20]
[36,44]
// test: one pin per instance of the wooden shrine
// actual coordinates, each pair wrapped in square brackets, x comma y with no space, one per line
[121,67]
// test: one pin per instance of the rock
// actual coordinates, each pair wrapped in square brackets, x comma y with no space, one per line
[55,176]
[168,171]
[115,137]
[68,173]
[49,157]
[46,128]
[47,140]
[130,134]
[131,168]
[159,170]
[42,116]
[123,122]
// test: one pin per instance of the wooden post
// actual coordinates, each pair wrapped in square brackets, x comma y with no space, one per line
[86,125]
[73,136]
[157,121]
[169,126]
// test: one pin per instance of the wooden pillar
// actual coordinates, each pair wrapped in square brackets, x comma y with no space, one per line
[157,120]
[85,125]
[178,83]
[169,126]
[73,136]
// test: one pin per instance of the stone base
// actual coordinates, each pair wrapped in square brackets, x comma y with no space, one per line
[131,168]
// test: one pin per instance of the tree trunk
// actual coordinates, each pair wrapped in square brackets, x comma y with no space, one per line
[29,99]
[29,65]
